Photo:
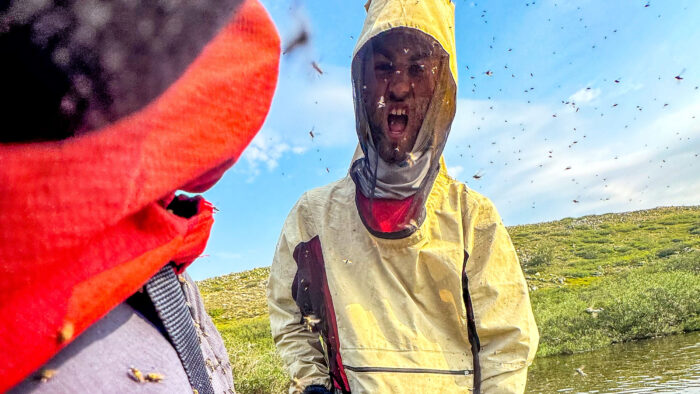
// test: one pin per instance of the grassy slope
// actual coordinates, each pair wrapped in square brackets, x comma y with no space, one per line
[641,268]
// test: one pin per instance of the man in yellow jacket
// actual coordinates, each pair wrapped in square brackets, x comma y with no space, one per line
[398,278]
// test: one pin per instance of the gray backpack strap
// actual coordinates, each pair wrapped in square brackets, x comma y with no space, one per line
[170,304]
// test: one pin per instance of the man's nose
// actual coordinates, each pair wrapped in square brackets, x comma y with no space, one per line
[400,86]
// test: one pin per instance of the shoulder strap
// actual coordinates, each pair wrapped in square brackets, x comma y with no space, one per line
[169,301]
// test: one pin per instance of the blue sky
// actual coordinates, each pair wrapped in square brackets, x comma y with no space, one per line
[631,140]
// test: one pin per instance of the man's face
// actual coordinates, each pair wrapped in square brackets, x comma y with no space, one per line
[400,74]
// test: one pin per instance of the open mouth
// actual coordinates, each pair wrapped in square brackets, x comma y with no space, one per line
[397,120]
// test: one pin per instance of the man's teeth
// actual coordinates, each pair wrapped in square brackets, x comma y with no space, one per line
[398,111]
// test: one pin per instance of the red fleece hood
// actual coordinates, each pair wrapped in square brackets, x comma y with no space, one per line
[81,226]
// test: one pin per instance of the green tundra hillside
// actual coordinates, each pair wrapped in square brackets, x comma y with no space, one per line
[593,281]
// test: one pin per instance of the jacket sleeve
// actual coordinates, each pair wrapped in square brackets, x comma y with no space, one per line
[300,349]
[502,311]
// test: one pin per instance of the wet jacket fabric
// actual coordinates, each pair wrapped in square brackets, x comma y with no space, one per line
[85,221]
[131,340]
[441,306]
[400,305]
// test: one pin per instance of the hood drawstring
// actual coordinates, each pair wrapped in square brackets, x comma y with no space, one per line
[374,183]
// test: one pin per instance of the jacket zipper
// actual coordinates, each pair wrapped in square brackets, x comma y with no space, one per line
[462,372]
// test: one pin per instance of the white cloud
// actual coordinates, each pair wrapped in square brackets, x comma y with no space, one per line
[266,149]
[455,171]
[651,164]
[585,95]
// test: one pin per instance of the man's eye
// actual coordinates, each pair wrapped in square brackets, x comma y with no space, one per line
[416,69]
[384,67]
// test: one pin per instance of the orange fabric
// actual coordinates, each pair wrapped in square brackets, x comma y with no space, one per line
[81,227]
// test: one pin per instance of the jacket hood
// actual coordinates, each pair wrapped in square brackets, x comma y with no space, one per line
[411,179]
[435,18]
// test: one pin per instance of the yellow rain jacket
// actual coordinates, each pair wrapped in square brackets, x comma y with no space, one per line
[444,309]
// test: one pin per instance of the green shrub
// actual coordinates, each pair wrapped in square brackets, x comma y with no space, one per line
[542,256]
[638,304]
[688,262]
[675,249]
[588,254]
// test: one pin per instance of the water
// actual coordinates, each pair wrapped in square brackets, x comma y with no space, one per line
[664,365]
